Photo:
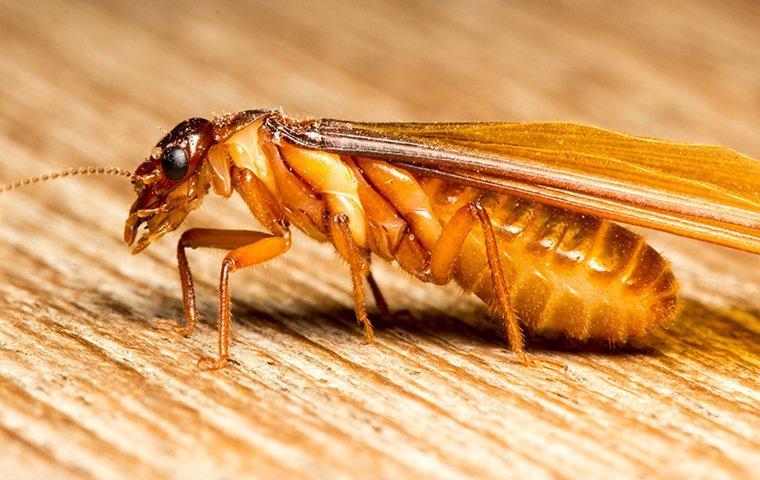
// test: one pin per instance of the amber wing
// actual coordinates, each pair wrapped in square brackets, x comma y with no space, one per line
[706,192]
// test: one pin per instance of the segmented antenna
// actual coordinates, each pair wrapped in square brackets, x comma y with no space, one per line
[70,172]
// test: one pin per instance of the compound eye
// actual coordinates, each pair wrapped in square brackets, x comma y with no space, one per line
[174,163]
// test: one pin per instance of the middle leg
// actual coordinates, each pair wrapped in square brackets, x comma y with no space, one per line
[380,302]
[358,262]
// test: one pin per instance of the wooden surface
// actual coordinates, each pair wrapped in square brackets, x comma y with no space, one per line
[89,388]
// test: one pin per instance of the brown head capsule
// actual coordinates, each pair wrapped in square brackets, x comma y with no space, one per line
[169,183]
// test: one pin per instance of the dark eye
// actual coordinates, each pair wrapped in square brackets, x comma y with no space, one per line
[174,163]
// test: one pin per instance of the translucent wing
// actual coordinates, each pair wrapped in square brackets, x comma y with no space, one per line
[705,192]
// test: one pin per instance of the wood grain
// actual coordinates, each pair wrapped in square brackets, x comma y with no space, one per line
[90,389]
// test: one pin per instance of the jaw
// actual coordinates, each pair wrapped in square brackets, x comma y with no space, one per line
[156,225]
[158,216]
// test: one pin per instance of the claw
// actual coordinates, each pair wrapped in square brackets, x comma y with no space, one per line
[212,363]
[526,359]
[369,335]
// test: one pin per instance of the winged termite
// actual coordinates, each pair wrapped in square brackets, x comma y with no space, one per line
[517,213]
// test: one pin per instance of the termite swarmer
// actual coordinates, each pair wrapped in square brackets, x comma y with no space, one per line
[520,214]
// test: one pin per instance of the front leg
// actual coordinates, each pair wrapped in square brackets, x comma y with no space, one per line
[202,238]
[247,248]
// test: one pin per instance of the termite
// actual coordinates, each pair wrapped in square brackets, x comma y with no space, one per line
[520,214]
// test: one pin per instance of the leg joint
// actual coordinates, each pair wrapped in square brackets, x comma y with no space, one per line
[229,264]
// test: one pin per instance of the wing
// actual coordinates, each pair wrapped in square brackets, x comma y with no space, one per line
[706,192]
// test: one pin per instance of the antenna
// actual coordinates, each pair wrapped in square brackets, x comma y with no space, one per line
[69,172]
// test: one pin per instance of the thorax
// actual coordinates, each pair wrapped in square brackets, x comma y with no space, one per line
[309,184]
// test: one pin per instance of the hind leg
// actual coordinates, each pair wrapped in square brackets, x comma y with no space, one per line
[443,260]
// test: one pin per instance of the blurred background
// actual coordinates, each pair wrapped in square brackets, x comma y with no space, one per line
[90,389]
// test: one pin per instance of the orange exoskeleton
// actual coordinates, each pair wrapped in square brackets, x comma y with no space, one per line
[520,214]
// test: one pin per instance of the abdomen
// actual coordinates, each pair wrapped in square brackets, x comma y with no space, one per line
[569,274]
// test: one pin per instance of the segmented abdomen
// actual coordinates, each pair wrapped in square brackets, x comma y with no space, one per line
[569,274]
